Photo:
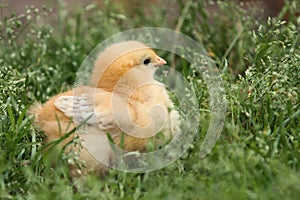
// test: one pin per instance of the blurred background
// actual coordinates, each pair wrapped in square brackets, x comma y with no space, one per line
[269,7]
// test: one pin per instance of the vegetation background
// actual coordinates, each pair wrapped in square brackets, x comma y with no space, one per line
[258,154]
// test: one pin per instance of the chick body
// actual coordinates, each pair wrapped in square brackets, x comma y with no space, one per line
[123,98]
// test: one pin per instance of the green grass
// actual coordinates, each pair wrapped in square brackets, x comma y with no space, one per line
[258,153]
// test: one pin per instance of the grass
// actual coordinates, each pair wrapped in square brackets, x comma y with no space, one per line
[257,155]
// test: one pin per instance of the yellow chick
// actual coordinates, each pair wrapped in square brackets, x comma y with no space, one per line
[123,98]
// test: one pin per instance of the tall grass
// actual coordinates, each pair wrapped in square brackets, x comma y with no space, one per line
[257,156]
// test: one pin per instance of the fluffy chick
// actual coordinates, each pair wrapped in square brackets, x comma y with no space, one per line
[123,97]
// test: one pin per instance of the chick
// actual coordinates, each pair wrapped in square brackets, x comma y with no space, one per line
[123,97]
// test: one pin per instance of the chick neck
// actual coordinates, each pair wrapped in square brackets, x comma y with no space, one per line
[135,79]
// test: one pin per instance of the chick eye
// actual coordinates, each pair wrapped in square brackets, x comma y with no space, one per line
[147,61]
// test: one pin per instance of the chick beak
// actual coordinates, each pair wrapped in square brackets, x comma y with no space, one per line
[159,61]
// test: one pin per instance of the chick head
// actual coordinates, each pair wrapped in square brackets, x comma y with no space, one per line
[116,60]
